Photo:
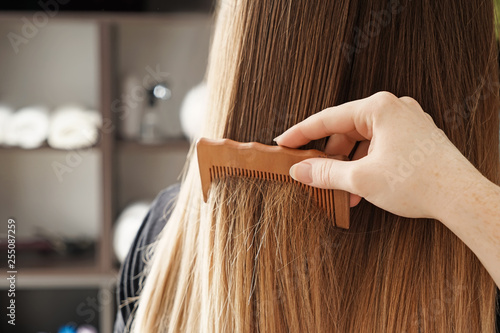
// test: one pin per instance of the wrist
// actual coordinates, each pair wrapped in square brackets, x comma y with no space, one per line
[463,202]
[460,183]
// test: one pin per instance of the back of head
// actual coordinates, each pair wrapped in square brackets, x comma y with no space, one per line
[260,256]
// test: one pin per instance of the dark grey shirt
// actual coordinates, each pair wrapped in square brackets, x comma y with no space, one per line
[134,263]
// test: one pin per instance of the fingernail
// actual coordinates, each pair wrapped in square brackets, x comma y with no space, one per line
[277,138]
[302,172]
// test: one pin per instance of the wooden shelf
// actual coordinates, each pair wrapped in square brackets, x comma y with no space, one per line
[67,279]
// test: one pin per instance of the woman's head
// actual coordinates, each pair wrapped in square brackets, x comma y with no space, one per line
[260,256]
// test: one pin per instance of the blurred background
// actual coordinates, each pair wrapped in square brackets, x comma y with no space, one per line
[99,100]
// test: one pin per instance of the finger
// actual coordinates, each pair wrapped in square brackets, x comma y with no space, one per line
[325,173]
[415,106]
[409,101]
[340,119]
[342,144]
[361,151]
[354,200]
[339,144]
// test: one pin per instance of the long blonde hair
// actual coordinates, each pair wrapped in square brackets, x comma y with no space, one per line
[260,256]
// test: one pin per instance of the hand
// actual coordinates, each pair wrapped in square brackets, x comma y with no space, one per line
[404,163]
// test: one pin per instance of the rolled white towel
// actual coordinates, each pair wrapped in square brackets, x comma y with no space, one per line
[127,225]
[28,127]
[73,127]
[193,110]
[5,114]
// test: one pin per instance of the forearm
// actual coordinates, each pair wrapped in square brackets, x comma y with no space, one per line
[446,186]
[472,212]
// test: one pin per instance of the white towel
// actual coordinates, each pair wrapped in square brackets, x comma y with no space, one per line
[73,127]
[28,127]
[5,114]
[127,225]
[193,110]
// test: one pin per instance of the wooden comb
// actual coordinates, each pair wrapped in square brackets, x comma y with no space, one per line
[224,157]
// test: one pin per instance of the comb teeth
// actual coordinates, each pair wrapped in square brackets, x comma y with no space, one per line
[223,158]
[219,171]
[323,197]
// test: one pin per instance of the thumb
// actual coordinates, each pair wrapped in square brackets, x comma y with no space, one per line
[324,173]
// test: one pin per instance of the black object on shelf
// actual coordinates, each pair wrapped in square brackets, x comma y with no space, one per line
[50,251]
[108,5]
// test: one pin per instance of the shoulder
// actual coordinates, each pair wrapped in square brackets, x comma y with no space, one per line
[158,215]
[134,264]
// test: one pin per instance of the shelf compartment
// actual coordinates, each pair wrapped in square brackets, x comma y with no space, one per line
[46,310]
[51,191]
[166,146]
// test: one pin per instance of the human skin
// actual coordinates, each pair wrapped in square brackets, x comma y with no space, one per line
[405,165]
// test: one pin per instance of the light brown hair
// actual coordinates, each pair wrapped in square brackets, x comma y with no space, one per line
[260,257]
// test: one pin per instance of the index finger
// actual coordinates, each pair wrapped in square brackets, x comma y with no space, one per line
[344,118]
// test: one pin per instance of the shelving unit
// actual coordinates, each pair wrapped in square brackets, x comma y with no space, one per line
[114,172]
